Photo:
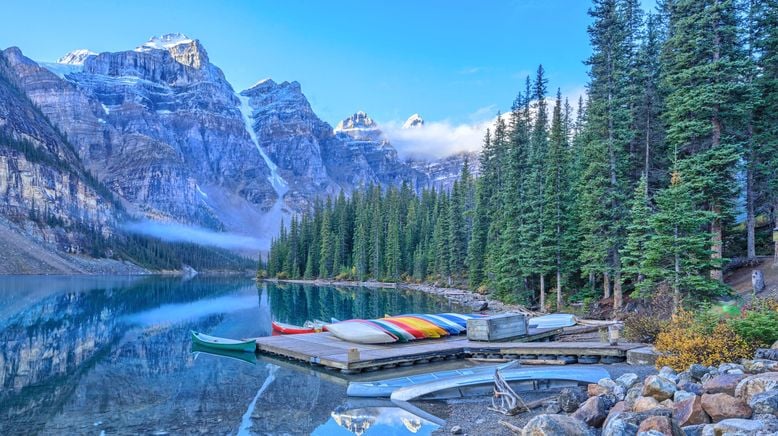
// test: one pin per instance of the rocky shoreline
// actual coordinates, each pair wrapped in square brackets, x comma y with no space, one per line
[731,399]
[463,297]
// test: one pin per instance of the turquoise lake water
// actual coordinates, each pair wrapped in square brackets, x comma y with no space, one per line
[113,355]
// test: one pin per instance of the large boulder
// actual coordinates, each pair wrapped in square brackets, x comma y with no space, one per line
[722,383]
[593,411]
[570,399]
[723,406]
[552,425]
[757,366]
[689,412]
[756,384]
[628,423]
[736,427]
[765,403]
[658,387]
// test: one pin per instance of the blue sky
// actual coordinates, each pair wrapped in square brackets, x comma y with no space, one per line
[451,61]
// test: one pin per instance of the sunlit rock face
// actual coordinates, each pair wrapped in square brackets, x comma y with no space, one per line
[44,187]
[159,125]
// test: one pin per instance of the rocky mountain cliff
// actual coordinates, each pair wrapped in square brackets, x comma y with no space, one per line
[162,129]
[42,179]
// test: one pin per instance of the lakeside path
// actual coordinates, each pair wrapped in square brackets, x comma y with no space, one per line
[466,298]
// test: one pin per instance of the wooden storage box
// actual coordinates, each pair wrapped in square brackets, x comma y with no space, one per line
[497,327]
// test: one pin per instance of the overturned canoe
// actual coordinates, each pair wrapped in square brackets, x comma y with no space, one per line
[361,332]
[248,346]
[481,383]
[553,321]
[384,388]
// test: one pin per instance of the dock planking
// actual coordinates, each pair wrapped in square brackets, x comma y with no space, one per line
[328,351]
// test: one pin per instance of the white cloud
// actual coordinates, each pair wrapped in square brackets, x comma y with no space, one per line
[175,232]
[437,138]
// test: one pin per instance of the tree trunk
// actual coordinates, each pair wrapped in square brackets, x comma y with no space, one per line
[676,277]
[591,281]
[750,216]
[617,294]
[716,244]
[606,285]
[542,293]
[775,247]
[558,290]
[648,149]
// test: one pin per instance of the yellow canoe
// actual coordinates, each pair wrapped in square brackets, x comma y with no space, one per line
[429,329]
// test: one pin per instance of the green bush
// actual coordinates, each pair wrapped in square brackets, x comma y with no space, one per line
[758,327]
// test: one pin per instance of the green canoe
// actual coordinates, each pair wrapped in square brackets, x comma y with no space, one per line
[223,344]
[237,355]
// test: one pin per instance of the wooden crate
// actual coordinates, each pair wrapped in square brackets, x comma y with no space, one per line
[497,327]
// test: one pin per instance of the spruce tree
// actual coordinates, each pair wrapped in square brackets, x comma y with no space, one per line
[702,67]
[639,231]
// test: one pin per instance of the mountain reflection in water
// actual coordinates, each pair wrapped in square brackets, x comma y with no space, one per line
[113,354]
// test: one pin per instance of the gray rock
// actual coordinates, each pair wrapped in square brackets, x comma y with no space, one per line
[570,399]
[682,395]
[627,423]
[684,377]
[755,384]
[456,430]
[592,412]
[694,388]
[697,371]
[693,430]
[736,426]
[669,373]
[627,380]
[765,403]
[613,387]
[552,425]
[658,387]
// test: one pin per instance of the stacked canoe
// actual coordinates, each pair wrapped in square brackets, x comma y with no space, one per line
[401,328]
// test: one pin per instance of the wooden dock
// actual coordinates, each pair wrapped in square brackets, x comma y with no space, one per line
[323,349]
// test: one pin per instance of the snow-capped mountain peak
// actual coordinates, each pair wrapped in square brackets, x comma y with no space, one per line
[76,57]
[165,42]
[358,121]
[413,122]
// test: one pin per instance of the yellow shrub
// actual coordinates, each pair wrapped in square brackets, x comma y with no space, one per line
[685,341]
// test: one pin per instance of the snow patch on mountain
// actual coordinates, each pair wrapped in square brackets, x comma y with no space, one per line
[278,182]
[164,42]
[76,57]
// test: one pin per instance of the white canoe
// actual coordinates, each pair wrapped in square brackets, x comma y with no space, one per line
[553,321]
[360,332]
[482,383]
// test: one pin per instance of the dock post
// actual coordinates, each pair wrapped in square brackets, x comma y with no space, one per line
[353,354]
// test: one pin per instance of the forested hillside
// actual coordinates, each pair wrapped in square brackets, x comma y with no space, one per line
[667,169]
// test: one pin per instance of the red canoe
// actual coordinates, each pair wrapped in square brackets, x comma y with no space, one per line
[290,329]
